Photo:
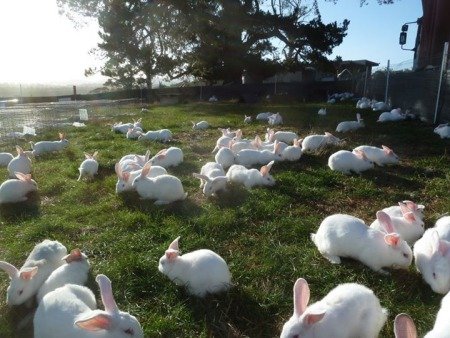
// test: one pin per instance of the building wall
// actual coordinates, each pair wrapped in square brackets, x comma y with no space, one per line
[434,32]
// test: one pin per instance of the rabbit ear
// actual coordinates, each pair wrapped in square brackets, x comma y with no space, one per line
[411,205]
[444,247]
[392,239]
[409,217]
[10,269]
[118,170]
[404,326]
[146,169]
[19,150]
[360,154]
[174,244]
[218,179]
[94,155]
[301,296]
[28,273]
[87,156]
[358,117]
[385,221]
[387,150]
[97,322]
[61,136]
[75,255]
[22,177]
[106,293]
[312,318]
[125,176]
[202,177]
[435,241]
[266,168]
[328,134]
[147,155]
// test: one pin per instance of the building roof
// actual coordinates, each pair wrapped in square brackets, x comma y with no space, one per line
[360,62]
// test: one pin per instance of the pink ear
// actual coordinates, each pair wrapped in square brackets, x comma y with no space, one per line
[125,176]
[106,293]
[392,239]
[171,255]
[118,170]
[404,208]
[301,296]
[444,246]
[95,323]
[61,136]
[312,318]
[359,154]
[174,244]
[385,221]
[411,205]
[409,216]
[387,150]
[19,150]
[328,134]
[28,273]
[75,255]
[146,169]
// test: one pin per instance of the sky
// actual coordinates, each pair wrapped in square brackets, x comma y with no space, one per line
[41,46]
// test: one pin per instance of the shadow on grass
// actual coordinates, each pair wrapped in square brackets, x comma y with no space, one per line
[186,207]
[232,314]
[234,196]
[20,319]
[22,210]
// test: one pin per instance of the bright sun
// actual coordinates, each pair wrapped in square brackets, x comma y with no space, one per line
[41,46]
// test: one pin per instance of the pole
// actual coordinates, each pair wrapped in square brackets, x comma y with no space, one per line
[387,81]
[365,81]
[441,74]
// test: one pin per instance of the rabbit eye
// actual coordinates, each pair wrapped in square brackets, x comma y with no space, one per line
[405,255]
[129,331]
[434,275]
[20,292]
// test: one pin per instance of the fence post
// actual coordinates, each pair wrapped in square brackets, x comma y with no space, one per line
[387,81]
[441,74]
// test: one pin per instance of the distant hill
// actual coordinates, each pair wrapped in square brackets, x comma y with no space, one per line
[12,90]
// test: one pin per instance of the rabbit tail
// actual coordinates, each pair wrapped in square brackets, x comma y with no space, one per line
[313,238]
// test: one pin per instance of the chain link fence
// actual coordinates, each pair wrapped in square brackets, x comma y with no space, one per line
[426,91]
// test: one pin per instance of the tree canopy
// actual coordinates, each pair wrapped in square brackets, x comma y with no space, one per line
[211,40]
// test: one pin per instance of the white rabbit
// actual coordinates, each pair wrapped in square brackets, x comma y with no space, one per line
[251,177]
[363,103]
[5,158]
[75,271]
[349,310]
[89,167]
[16,190]
[223,141]
[443,227]
[212,178]
[49,146]
[263,116]
[275,119]
[443,130]
[237,146]
[408,226]
[342,235]
[345,126]
[138,123]
[225,157]
[164,189]
[322,111]
[70,312]
[121,127]
[200,125]
[314,142]
[247,119]
[133,133]
[20,163]
[163,135]
[380,105]
[249,157]
[396,210]
[393,115]
[126,178]
[40,263]
[201,271]
[166,158]
[346,161]
[404,325]
[228,132]
[380,156]
[432,259]
[139,159]
[282,136]
[292,153]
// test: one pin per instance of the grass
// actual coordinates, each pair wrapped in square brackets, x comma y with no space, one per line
[263,234]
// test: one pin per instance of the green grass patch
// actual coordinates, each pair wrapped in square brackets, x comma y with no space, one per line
[262,233]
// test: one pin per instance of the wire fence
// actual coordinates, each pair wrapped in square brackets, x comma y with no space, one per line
[426,91]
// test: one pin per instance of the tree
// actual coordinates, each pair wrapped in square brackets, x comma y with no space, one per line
[211,40]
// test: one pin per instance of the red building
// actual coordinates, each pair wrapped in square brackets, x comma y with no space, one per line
[432,33]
